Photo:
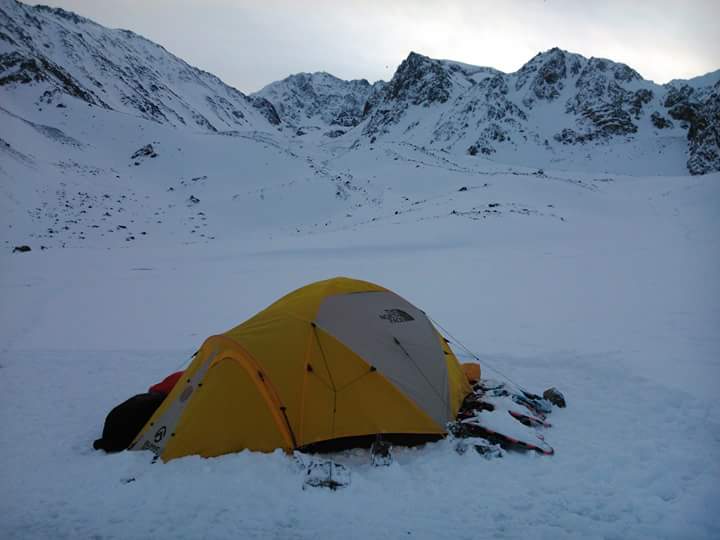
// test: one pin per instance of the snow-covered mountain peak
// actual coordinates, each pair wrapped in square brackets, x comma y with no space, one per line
[560,109]
[546,74]
[307,101]
[421,80]
[48,55]
[63,14]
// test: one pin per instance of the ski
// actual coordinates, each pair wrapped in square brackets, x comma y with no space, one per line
[504,416]
[507,441]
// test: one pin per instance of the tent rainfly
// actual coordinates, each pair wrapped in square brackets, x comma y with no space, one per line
[335,361]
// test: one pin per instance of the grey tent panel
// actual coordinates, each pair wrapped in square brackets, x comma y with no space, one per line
[397,339]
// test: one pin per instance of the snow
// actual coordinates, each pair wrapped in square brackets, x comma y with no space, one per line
[610,295]
[642,465]
[700,82]
[591,276]
[119,69]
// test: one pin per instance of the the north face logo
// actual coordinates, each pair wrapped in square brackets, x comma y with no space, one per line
[396,316]
[160,434]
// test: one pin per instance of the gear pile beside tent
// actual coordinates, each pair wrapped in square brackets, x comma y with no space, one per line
[335,364]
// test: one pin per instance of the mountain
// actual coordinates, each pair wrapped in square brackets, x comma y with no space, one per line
[48,55]
[559,109]
[318,101]
[697,109]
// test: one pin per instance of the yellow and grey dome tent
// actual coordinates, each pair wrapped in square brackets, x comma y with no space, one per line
[336,359]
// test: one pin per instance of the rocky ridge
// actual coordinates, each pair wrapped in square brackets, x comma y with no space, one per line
[557,102]
[559,108]
[53,54]
[698,111]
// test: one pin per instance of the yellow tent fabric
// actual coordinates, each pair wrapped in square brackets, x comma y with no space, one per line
[472,371]
[334,359]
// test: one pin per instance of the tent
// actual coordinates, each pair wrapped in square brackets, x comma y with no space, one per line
[337,360]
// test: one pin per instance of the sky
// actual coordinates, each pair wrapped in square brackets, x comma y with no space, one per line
[251,44]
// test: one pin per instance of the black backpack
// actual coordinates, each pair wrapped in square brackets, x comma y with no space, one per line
[126,420]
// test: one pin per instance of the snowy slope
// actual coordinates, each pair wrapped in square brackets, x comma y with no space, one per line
[51,55]
[591,275]
[602,286]
[111,188]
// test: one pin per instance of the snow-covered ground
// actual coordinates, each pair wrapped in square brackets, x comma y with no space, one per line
[605,286]
[152,228]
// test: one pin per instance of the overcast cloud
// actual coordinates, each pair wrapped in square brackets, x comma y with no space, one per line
[250,44]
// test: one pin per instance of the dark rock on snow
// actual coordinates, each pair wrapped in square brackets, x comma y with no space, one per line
[554,396]
[145,151]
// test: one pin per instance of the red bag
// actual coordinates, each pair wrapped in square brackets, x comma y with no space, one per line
[167,384]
